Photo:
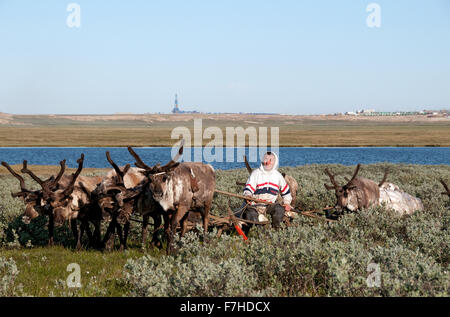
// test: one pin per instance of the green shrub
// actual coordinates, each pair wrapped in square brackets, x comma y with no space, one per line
[8,275]
[311,258]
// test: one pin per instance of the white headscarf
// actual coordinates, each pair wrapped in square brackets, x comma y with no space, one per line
[275,165]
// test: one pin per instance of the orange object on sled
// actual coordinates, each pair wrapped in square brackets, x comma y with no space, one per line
[241,233]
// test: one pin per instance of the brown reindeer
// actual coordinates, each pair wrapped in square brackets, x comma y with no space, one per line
[116,208]
[34,205]
[180,188]
[125,191]
[35,201]
[360,193]
[65,201]
[70,203]
[357,194]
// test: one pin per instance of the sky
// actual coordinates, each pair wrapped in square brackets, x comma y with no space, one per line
[276,56]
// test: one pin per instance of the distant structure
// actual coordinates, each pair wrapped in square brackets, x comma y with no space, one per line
[176,109]
[366,111]
[372,112]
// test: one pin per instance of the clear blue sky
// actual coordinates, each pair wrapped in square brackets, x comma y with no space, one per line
[285,56]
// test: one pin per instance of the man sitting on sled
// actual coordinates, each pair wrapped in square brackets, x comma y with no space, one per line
[266,183]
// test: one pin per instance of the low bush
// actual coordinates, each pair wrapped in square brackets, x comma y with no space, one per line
[8,275]
[369,253]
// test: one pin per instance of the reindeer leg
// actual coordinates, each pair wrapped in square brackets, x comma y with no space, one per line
[181,212]
[97,234]
[108,239]
[89,232]
[76,233]
[83,227]
[120,234]
[183,224]
[167,218]
[87,228]
[156,224]
[126,230]
[51,227]
[206,219]
[144,229]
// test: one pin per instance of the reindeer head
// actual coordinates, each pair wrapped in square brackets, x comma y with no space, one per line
[112,197]
[35,204]
[29,214]
[159,183]
[61,197]
[158,176]
[56,198]
[346,199]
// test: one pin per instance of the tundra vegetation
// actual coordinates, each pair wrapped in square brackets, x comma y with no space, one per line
[155,130]
[310,258]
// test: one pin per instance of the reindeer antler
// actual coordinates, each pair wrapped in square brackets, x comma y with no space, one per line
[354,174]
[173,163]
[60,174]
[446,188]
[139,163]
[157,168]
[84,189]
[333,181]
[247,165]
[20,178]
[386,172]
[25,170]
[71,185]
[120,174]
[24,191]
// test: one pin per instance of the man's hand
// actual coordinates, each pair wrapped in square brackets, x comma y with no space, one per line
[287,207]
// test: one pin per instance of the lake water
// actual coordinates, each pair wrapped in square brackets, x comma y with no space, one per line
[293,156]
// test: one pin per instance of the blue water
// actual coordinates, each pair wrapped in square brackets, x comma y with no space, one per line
[95,157]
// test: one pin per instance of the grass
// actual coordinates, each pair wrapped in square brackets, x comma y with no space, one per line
[43,270]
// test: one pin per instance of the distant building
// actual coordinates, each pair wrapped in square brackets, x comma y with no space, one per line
[366,112]
[176,109]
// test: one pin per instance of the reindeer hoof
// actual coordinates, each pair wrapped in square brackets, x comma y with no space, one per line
[109,247]
[170,251]
[157,244]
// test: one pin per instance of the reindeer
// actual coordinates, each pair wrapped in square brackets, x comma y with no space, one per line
[361,193]
[122,192]
[115,208]
[64,200]
[180,188]
[33,200]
